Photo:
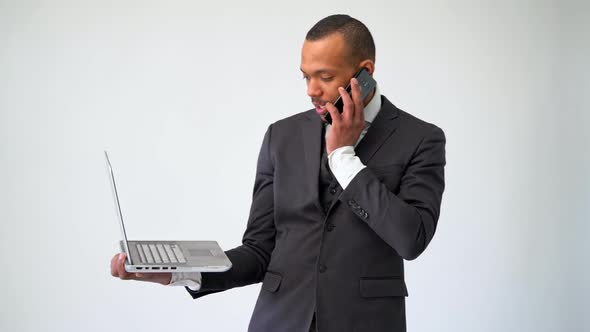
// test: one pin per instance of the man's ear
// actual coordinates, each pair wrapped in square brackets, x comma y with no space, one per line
[369,65]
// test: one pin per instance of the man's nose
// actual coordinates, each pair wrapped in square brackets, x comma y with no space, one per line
[313,90]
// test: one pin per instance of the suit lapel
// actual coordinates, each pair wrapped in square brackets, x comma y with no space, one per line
[311,131]
[383,126]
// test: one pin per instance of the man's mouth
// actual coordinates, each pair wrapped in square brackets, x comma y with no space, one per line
[320,108]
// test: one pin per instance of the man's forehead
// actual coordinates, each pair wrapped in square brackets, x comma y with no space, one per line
[326,54]
[332,44]
[318,70]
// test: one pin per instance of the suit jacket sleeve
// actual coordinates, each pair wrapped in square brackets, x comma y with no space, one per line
[406,221]
[250,260]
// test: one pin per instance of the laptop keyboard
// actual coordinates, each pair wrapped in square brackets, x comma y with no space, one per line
[160,253]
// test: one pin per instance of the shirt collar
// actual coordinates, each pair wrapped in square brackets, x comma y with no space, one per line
[373,106]
[370,111]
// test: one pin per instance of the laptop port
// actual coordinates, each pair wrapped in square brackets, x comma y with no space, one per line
[139,267]
[173,268]
[165,268]
[155,267]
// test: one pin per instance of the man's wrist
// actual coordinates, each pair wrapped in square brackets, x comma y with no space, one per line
[191,280]
[345,165]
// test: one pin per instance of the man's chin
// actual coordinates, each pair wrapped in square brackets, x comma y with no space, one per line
[323,116]
[321,112]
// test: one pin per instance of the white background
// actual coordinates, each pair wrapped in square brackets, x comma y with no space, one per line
[181,92]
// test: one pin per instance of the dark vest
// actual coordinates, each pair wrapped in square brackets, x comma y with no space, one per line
[328,188]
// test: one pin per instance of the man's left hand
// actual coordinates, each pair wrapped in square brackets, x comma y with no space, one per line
[348,126]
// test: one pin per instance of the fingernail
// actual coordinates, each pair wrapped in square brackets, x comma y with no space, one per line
[121,257]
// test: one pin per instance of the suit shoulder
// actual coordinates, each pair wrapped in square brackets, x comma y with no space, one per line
[285,129]
[415,124]
[293,120]
[289,124]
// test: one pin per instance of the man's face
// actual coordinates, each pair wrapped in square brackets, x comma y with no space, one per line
[326,66]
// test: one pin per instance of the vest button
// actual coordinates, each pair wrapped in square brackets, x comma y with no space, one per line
[330,227]
[322,268]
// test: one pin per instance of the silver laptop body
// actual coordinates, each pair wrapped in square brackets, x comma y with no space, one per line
[167,256]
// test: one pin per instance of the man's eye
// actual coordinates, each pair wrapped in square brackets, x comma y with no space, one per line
[327,79]
[306,77]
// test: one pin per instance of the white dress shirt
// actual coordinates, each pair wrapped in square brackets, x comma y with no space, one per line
[343,163]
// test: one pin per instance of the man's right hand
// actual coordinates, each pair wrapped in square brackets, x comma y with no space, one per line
[118,270]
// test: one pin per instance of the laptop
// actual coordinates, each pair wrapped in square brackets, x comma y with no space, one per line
[167,256]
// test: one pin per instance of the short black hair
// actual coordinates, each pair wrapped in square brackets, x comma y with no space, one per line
[356,35]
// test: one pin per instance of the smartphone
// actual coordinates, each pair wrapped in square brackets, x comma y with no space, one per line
[366,84]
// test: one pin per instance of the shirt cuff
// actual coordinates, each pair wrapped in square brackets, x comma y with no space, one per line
[345,165]
[192,280]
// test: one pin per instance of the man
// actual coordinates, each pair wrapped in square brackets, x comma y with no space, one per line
[336,208]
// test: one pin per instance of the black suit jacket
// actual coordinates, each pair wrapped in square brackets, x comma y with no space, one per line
[346,264]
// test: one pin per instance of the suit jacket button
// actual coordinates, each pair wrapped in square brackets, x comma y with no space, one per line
[330,227]
[322,268]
